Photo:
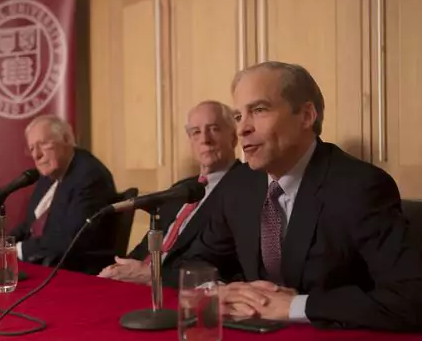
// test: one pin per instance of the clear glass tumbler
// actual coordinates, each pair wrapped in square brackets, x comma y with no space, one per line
[8,265]
[199,316]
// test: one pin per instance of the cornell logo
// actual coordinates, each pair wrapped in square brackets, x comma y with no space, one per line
[33,56]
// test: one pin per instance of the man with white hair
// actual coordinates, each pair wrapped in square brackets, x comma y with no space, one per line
[73,185]
[211,131]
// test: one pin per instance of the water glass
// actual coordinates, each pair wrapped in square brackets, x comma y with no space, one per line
[8,265]
[199,316]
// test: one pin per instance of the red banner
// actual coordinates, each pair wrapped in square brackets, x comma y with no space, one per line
[36,77]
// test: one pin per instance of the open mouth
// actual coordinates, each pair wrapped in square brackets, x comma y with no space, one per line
[251,148]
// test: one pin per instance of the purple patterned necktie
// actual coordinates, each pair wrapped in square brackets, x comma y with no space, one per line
[271,232]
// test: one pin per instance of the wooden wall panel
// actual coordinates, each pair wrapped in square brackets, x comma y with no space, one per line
[124,115]
[139,110]
[204,61]
[325,37]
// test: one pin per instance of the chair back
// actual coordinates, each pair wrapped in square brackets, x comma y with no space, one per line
[123,223]
[412,210]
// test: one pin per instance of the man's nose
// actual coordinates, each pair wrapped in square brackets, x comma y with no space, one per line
[37,153]
[245,126]
[205,137]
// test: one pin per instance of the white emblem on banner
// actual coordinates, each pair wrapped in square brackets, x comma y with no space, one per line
[33,57]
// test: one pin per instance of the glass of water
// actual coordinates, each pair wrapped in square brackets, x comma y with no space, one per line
[8,265]
[199,306]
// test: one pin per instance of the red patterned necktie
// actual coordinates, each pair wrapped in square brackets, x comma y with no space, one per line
[37,226]
[175,229]
[271,229]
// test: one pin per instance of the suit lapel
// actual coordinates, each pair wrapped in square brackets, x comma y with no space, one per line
[64,186]
[201,217]
[39,192]
[304,218]
[196,224]
[250,217]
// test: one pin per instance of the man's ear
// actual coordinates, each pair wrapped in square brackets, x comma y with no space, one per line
[309,116]
[66,139]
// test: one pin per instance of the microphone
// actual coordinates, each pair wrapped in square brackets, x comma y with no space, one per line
[27,178]
[189,192]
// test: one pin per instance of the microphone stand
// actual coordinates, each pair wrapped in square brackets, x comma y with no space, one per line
[2,222]
[156,318]
[2,240]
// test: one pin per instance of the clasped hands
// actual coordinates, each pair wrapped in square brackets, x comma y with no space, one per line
[128,270]
[260,298]
[238,299]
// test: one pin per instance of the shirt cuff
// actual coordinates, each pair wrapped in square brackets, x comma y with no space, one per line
[297,309]
[209,285]
[19,250]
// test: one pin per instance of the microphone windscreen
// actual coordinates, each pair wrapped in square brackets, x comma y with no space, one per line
[32,175]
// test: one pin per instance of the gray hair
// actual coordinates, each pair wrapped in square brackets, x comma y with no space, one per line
[61,129]
[222,109]
[297,87]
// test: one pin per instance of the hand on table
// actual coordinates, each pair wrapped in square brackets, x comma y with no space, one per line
[127,270]
[260,298]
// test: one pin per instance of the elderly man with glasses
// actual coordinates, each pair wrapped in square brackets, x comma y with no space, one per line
[73,185]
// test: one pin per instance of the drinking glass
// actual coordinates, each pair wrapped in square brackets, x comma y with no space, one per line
[8,265]
[199,316]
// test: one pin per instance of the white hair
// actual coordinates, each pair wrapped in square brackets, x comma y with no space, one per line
[222,109]
[61,129]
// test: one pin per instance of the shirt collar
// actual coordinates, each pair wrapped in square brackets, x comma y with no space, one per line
[290,181]
[215,177]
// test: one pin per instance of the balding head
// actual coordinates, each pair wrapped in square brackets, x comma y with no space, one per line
[60,129]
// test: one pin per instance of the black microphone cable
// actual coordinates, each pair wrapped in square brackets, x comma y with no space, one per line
[42,324]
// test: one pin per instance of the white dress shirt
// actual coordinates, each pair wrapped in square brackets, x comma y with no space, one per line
[290,183]
[43,206]
[213,180]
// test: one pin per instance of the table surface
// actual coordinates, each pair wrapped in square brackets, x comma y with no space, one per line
[81,307]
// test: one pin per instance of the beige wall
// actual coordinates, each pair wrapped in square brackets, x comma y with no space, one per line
[150,64]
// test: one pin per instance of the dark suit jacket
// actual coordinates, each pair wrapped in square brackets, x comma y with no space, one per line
[86,187]
[347,243]
[168,214]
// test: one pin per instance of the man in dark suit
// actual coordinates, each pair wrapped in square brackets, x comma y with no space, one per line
[319,235]
[212,135]
[73,185]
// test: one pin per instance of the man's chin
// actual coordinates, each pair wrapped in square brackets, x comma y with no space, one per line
[210,162]
[45,171]
[255,164]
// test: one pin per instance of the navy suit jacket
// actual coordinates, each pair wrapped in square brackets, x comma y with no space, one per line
[86,187]
[347,245]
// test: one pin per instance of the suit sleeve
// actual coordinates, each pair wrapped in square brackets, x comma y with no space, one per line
[215,246]
[141,250]
[380,234]
[89,195]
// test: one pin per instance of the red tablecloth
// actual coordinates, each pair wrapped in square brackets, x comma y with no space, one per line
[80,307]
